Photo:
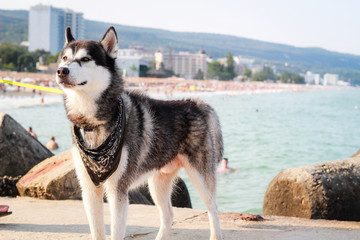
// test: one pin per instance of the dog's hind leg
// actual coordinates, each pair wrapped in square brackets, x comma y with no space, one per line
[160,186]
[205,184]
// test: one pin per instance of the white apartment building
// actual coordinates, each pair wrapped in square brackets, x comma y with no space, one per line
[47,27]
[137,51]
[330,79]
[130,66]
[312,78]
[183,63]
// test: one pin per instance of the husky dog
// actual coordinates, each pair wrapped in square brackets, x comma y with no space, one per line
[122,138]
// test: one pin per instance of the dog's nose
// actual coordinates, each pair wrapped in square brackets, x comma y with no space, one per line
[63,72]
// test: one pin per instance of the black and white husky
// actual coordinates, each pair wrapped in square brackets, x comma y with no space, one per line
[123,138]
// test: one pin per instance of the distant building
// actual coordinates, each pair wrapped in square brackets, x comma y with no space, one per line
[240,63]
[47,27]
[131,66]
[343,83]
[137,51]
[331,79]
[312,78]
[183,63]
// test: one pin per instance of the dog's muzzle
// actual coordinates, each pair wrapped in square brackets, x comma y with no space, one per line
[63,72]
[63,77]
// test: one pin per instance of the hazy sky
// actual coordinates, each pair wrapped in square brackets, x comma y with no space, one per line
[329,24]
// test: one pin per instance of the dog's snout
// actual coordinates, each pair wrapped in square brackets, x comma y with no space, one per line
[63,71]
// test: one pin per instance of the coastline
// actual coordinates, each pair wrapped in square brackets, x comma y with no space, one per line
[168,87]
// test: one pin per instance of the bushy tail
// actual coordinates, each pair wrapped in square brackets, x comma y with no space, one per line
[216,134]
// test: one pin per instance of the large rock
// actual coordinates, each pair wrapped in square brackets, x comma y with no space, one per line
[180,196]
[55,178]
[19,151]
[328,190]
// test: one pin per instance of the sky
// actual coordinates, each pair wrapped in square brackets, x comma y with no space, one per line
[330,24]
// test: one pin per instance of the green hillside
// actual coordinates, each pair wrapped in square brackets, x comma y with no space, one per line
[14,28]
[218,45]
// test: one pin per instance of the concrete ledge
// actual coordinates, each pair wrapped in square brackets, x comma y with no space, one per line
[66,219]
[328,190]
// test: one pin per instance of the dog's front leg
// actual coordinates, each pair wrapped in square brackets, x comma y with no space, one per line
[92,199]
[119,203]
[93,203]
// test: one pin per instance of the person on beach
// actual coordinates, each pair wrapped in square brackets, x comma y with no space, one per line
[224,167]
[32,133]
[52,145]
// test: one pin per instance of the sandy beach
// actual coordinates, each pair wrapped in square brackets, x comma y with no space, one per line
[50,219]
[161,86]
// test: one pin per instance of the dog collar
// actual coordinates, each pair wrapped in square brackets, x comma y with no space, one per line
[102,161]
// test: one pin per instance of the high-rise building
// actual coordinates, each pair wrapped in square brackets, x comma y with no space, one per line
[47,27]
[183,63]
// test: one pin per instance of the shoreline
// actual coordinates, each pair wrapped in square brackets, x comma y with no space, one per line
[25,97]
[167,86]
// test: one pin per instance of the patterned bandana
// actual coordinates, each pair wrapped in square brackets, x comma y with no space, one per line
[102,161]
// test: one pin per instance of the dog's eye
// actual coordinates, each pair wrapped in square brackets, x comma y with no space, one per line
[64,58]
[85,59]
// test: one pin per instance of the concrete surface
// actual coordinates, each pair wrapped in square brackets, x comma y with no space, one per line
[66,219]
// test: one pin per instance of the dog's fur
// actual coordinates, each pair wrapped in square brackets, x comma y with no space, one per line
[160,137]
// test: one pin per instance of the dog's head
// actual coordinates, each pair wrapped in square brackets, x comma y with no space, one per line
[87,66]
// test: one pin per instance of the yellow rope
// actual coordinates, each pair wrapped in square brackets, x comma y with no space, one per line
[54,90]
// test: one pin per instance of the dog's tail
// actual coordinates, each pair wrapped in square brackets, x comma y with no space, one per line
[215,134]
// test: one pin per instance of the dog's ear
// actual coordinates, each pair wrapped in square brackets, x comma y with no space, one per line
[68,36]
[110,42]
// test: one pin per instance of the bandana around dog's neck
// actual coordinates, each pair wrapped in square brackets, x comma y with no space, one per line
[102,161]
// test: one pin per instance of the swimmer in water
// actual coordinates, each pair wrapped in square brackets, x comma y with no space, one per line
[224,167]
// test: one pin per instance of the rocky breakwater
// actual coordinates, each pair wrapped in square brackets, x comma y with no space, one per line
[19,152]
[55,178]
[329,190]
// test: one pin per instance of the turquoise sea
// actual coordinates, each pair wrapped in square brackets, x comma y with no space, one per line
[263,133]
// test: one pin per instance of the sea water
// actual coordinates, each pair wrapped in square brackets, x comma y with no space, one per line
[263,134]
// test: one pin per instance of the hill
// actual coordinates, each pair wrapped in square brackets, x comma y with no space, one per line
[216,45]
[13,26]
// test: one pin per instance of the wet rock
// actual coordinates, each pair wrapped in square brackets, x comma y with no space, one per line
[19,151]
[180,196]
[8,186]
[328,191]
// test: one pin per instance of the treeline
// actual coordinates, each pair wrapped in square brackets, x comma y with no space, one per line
[17,58]
[216,70]
[219,71]
[267,73]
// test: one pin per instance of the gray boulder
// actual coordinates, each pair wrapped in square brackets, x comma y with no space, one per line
[19,151]
[328,190]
